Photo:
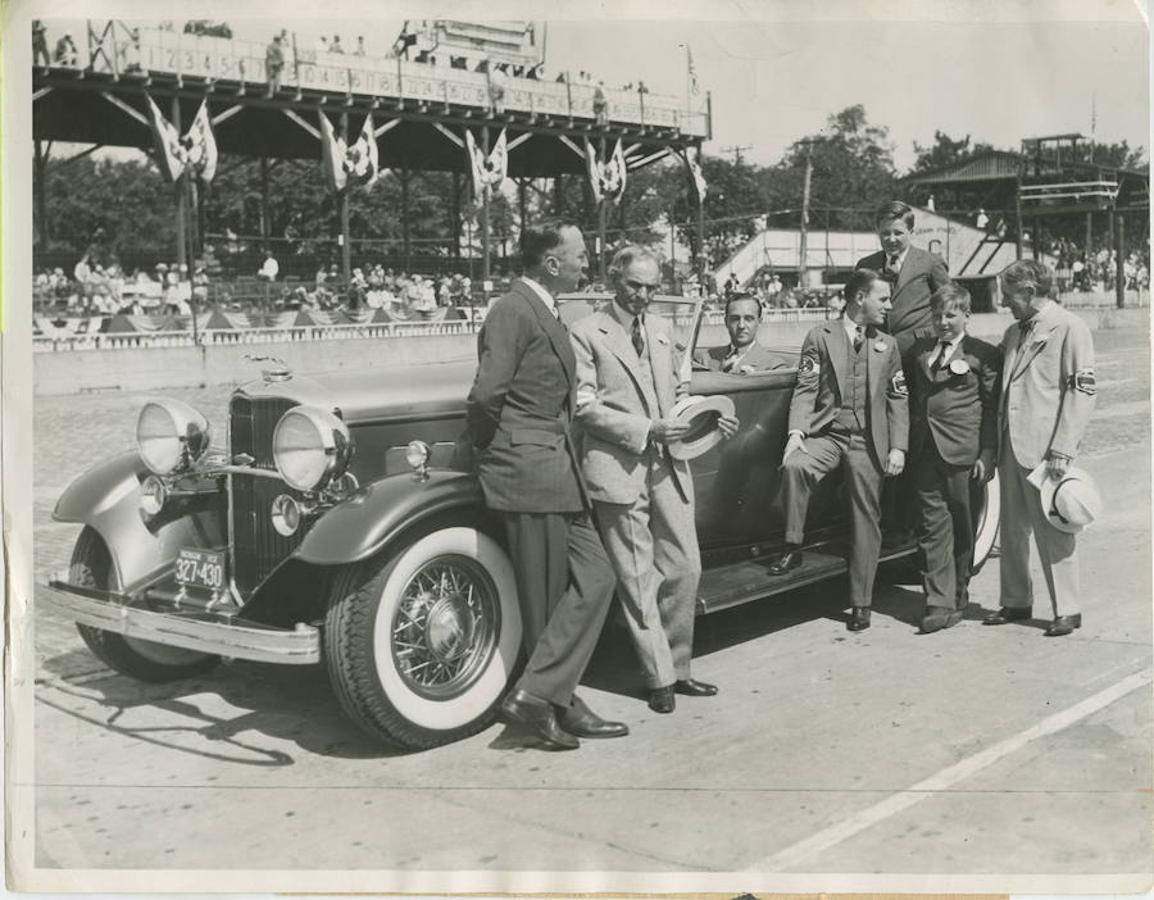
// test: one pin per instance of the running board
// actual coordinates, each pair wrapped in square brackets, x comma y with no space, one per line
[742,582]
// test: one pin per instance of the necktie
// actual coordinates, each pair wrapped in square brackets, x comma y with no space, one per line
[858,338]
[730,361]
[893,264]
[638,337]
[943,349]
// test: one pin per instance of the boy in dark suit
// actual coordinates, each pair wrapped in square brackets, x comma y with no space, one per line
[953,439]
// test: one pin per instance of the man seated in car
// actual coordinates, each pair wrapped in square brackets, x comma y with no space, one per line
[743,354]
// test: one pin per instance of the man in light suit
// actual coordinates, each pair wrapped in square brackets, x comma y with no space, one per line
[743,355]
[850,411]
[1048,391]
[627,384]
[953,440]
[519,412]
[913,274]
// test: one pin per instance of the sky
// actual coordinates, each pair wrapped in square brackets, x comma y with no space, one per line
[776,70]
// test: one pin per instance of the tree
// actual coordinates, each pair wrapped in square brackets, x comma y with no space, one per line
[946,151]
[853,172]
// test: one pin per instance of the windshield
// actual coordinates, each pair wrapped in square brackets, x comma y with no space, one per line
[679,312]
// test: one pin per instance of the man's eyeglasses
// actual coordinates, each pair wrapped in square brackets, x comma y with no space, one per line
[637,287]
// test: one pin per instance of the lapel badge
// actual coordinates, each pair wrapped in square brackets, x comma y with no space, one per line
[879,345]
[959,366]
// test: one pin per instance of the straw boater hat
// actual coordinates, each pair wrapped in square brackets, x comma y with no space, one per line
[1071,502]
[702,414]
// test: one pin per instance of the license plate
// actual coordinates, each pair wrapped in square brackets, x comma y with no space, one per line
[201,569]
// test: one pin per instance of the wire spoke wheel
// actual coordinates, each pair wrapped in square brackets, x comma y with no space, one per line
[446,626]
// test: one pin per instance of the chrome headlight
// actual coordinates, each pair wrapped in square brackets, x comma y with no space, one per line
[310,447]
[170,436]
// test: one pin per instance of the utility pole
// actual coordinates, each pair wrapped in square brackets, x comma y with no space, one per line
[736,151]
[802,267]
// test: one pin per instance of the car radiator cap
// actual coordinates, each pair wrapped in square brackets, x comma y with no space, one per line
[702,414]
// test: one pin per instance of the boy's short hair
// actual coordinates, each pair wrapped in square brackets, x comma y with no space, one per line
[895,209]
[951,294]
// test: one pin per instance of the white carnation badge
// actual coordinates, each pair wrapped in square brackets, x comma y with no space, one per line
[959,367]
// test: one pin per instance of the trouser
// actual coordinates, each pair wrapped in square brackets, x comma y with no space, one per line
[652,544]
[802,471]
[945,529]
[1021,515]
[565,585]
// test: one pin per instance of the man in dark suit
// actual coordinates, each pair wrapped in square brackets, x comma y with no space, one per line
[953,439]
[913,274]
[849,410]
[743,354]
[520,410]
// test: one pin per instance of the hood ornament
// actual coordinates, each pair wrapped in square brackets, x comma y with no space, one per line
[277,369]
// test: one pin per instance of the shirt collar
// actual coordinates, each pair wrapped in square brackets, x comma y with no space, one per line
[953,345]
[851,328]
[545,296]
[901,261]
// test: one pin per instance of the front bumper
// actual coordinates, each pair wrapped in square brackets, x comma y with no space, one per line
[217,633]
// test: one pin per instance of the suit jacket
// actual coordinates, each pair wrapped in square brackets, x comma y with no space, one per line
[821,382]
[757,358]
[1048,386]
[921,274]
[520,407]
[616,403]
[958,411]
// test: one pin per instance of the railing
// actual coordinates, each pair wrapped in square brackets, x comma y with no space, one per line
[218,58]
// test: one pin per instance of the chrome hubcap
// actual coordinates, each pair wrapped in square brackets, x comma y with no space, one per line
[446,626]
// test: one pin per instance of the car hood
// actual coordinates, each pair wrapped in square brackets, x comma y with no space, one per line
[374,394]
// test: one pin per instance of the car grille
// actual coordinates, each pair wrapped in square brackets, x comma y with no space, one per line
[257,548]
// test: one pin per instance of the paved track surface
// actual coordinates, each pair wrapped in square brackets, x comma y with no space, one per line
[973,751]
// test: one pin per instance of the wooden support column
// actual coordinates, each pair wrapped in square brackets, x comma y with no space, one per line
[522,201]
[1089,229]
[486,272]
[558,195]
[265,223]
[1119,259]
[405,250]
[40,186]
[346,248]
[602,212]
[181,192]
[455,216]
[1018,218]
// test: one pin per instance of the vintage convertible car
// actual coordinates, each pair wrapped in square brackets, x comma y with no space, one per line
[333,529]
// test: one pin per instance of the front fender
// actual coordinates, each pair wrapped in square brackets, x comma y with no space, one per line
[107,499]
[359,527]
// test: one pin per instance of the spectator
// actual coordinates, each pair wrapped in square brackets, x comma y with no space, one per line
[360,51]
[39,44]
[274,64]
[322,44]
[65,53]
[335,46]
[497,83]
[131,57]
[600,105]
[270,269]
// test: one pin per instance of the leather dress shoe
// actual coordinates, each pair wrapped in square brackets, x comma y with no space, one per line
[536,714]
[661,700]
[785,562]
[939,617]
[1008,614]
[691,687]
[1064,625]
[860,620]
[580,721]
